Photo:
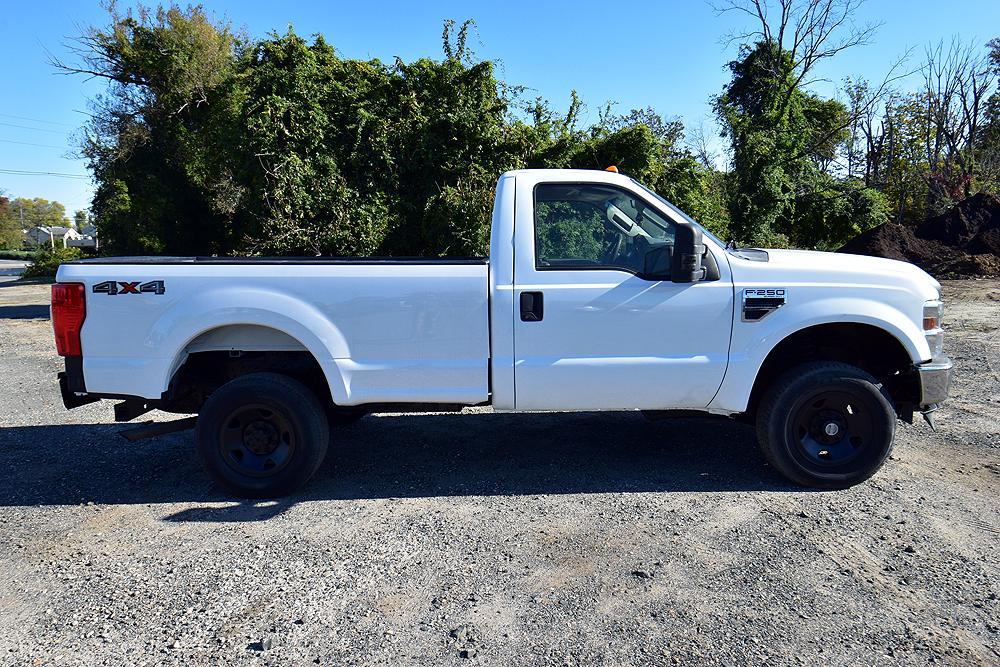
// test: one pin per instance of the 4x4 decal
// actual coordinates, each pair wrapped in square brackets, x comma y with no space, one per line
[129,287]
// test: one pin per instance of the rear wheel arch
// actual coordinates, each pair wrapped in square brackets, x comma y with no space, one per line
[244,309]
[220,354]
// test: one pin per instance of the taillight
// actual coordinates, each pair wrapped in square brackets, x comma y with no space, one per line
[69,308]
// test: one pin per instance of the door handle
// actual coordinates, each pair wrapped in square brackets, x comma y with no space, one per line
[532,306]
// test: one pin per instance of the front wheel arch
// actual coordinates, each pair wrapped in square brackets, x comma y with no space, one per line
[865,346]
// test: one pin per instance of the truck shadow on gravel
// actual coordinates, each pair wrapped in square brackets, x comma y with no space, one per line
[25,312]
[398,456]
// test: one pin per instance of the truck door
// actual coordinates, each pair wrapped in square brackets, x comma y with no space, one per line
[596,325]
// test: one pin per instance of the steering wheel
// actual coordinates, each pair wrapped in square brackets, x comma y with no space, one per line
[612,256]
[636,258]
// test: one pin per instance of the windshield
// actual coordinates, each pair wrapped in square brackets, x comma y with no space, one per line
[682,214]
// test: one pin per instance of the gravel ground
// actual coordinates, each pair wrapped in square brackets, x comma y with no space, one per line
[560,539]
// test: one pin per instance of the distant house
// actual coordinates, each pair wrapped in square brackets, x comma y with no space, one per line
[85,240]
[51,236]
[57,235]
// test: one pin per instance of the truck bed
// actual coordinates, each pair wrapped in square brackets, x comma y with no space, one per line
[383,329]
[145,260]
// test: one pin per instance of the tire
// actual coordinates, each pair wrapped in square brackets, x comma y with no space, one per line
[262,435]
[826,425]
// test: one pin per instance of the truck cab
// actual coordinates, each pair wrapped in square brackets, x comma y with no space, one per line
[598,294]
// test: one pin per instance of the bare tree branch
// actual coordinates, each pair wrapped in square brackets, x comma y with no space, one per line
[957,83]
[809,30]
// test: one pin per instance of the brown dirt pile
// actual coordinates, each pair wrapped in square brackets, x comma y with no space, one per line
[963,241]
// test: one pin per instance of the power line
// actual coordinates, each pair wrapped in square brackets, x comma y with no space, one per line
[36,120]
[19,172]
[28,143]
[36,129]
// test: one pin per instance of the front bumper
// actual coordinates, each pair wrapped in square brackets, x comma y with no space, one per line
[935,381]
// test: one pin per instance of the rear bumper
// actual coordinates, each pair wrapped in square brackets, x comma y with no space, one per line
[71,385]
[935,381]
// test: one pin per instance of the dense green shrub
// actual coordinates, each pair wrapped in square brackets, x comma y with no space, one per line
[45,262]
[208,143]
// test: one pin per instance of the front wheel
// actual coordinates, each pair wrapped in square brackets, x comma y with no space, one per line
[826,425]
[262,435]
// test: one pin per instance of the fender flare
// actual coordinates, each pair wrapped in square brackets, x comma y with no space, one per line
[184,322]
[747,356]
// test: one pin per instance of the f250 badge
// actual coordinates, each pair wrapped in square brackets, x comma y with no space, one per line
[760,302]
[129,287]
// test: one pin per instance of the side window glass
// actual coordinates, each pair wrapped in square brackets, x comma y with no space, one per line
[598,226]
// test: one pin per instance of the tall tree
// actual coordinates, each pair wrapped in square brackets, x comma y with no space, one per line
[10,228]
[154,140]
[929,148]
[957,84]
[784,139]
[988,141]
[805,32]
[80,220]
[38,212]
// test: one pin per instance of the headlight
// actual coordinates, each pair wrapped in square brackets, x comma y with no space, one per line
[933,314]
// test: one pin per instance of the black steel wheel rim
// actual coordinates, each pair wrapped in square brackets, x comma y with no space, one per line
[256,440]
[832,428]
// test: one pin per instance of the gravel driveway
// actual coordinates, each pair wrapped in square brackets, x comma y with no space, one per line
[559,539]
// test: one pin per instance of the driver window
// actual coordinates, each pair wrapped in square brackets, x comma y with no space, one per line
[579,225]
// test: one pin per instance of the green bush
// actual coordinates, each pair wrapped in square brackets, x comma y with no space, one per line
[16,254]
[46,262]
[212,143]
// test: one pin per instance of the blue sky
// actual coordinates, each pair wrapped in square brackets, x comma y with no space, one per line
[666,54]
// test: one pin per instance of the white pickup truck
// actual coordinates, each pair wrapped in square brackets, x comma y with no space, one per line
[597,295]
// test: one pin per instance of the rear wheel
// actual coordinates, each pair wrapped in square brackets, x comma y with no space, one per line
[826,425]
[262,435]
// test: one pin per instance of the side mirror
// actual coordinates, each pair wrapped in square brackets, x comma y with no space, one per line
[689,248]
